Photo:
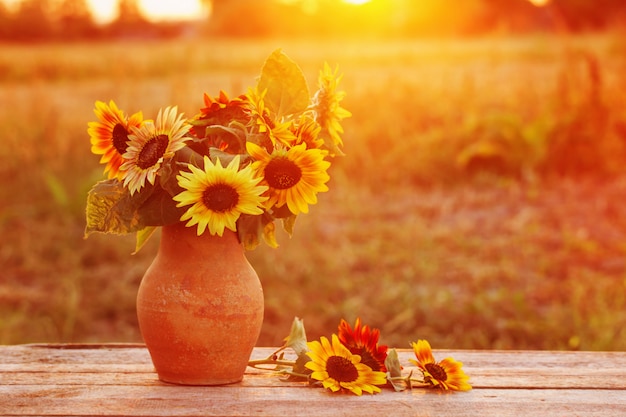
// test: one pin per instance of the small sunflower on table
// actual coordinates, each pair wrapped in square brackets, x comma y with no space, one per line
[240,164]
[353,361]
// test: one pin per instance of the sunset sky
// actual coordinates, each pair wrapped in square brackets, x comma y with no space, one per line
[105,10]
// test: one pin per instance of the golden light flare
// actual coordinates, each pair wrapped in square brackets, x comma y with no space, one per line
[356,2]
[540,3]
[156,10]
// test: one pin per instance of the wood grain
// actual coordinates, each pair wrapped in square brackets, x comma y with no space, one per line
[118,379]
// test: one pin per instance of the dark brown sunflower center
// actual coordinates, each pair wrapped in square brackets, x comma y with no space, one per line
[152,151]
[281,173]
[341,369]
[436,371]
[368,359]
[119,137]
[220,198]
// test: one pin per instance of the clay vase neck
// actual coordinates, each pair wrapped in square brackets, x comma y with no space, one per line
[200,307]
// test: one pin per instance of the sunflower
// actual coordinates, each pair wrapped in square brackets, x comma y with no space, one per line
[337,368]
[109,136]
[446,374]
[364,342]
[150,145]
[276,130]
[326,107]
[307,130]
[222,110]
[218,195]
[294,175]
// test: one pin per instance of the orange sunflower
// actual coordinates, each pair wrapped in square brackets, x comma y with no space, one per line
[222,109]
[446,374]
[109,136]
[294,175]
[363,341]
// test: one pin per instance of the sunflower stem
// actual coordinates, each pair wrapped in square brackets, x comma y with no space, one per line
[410,382]
[269,361]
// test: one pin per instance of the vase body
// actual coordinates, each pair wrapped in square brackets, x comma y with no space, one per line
[200,307]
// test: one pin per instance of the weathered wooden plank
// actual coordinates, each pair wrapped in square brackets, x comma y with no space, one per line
[136,354]
[480,378]
[269,402]
[498,369]
[120,380]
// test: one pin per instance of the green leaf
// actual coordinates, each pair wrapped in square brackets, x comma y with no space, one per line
[57,189]
[269,235]
[297,337]
[226,158]
[167,177]
[160,209]
[289,223]
[281,212]
[299,368]
[111,208]
[249,231]
[394,370]
[142,237]
[287,90]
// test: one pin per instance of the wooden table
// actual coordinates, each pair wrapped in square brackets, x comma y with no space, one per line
[118,379]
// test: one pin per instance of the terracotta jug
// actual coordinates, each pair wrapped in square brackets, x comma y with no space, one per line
[200,307]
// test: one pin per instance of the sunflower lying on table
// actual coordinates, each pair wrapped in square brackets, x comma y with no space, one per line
[239,164]
[354,361]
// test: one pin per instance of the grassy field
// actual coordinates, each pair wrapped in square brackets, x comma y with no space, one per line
[480,204]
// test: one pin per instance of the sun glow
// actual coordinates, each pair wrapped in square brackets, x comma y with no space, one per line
[357,2]
[540,3]
[156,10]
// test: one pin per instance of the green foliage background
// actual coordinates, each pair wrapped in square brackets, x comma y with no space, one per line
[479,204]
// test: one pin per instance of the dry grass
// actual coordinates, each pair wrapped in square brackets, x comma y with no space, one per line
[414,237]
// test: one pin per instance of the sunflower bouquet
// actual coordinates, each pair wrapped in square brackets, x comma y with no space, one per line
[240,164]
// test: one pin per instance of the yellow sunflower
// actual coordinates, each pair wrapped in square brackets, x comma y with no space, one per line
[326,107]
[218,195]
[307,130]
[337,368]
[150,145]
[265,122]
[109,136]
[446,374]
[294,175]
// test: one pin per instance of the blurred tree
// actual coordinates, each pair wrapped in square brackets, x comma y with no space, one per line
[570,15]
[5,21]
[35,20]
[512,16]
[590,14]
[247,18]
[130,22]
[76,20]
[128,13]
[442,17]
[31,21]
